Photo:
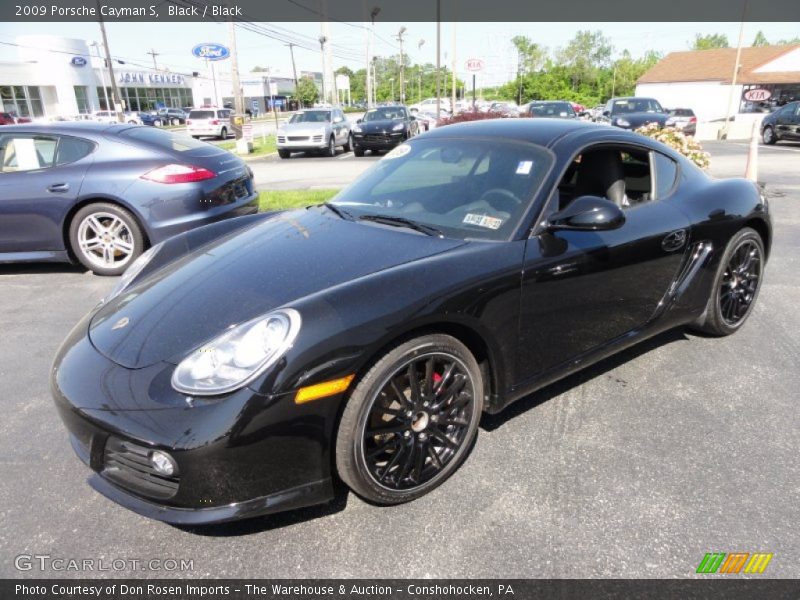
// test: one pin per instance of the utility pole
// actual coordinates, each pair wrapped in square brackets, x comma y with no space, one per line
[294,69]
[153,53]
[322,40]
[399,38]
[419,72]
[238,101]
[438,57]
[371,82]
[102,76]
[453,100]
[736,66]
[114,89]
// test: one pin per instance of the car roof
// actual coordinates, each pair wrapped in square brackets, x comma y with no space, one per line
[543,132]
[68,127]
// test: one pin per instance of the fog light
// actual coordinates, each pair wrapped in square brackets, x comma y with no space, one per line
[163,463]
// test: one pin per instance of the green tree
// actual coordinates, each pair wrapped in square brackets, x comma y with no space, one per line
[307,92]
[761,39]
[794,40]
[584,56]
[709,41]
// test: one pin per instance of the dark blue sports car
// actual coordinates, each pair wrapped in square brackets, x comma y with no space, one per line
[101,194]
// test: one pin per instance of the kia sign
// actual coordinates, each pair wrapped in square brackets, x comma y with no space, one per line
[757,95]
[211,51]
[474,65]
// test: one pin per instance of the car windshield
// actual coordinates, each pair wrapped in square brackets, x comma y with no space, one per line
[553,109]
[635,105]
[311,116]
[466,188]
[383,114]
[681,112]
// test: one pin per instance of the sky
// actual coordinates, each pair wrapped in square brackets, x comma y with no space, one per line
[490,41]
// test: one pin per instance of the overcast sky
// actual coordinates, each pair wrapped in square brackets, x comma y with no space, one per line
[490,41]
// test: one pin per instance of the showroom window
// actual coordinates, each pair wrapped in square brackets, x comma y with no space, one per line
[82,99]
[25,101]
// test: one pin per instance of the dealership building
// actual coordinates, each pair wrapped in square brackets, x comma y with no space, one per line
[702,80]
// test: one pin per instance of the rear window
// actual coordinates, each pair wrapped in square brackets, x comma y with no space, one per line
[201,114]
[558,109]
[681,112]
[162,139]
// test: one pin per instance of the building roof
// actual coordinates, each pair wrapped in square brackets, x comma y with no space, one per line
[717,65]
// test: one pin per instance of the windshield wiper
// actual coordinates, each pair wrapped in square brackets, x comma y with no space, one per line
[403,222]
[339,211]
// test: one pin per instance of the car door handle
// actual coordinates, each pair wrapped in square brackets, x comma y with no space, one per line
[674,240]
[58,188]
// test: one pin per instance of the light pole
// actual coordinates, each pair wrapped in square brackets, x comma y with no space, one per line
[322,40]
[438,57]
[399,38]
[419,72]
[392,82]
[371,83]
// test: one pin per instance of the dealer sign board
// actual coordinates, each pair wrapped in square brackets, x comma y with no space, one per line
[211,51]
[757,95]
[474,65]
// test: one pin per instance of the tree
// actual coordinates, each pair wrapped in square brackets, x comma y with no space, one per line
[585,54]
[794,40]
[307,92]
[709,41]
[760,40]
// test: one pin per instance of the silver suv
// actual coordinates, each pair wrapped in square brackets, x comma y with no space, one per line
[315,130]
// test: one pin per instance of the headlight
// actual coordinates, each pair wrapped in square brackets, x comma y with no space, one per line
[398,127]
[132,271]
[357,128]
[623,122]
[238,356]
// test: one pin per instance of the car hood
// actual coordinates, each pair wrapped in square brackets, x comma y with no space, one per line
[382,126]
[642,118]
[302,128]
[236,278]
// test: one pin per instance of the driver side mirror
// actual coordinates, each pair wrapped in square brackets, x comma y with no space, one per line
[587,213]
[359,120]
[606,113]
[412,118]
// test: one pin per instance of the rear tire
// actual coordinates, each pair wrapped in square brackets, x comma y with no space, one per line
[768,135]
[398,440]
[349,144]
[223,134]
[736,284]
[105,238]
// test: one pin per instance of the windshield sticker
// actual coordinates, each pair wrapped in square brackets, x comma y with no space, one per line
[524,167]
[401,150]
[483,221]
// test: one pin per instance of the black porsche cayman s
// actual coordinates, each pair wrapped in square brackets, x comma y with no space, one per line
[239,368]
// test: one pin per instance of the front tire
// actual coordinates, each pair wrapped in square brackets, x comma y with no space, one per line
[105,238]
[358,151]
[330,151]
[768,135]
[411,420]
[736,284]
[284,153]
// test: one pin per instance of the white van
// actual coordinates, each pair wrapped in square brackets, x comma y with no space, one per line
[209,121]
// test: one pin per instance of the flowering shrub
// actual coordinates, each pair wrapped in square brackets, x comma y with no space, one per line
[471,115]
[675,139]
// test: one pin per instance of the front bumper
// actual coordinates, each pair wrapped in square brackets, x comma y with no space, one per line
[378,141]
[301,142]
[237,456]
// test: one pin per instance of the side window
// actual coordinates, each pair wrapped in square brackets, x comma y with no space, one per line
[71,149]
[27,152]
[638,180]
[665,171]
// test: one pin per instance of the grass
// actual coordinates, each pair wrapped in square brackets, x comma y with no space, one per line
[259,149]
[283,199]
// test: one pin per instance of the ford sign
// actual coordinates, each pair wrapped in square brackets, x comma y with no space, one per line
[211,51]
[78,61]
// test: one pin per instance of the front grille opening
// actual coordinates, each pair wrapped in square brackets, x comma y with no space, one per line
[128,465]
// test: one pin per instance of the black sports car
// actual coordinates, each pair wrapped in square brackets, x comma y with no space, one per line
[237,369]
[383,128]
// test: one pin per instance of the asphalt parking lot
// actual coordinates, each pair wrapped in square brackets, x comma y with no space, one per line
[635,468]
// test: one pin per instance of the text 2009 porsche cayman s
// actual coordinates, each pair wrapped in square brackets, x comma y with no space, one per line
[239,368]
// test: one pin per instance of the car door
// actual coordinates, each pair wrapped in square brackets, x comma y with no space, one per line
[784,122]
[793,132]
[40,179]
[582,289]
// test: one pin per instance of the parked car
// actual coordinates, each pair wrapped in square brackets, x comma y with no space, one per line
[428,120]
[172,116]
[383,128]
[315,130]
[364,338]
[150,118]
[110,116]
[429,105]
[783,124]
[579,109]
[553,109]
[214,122]
[507,109]
[11,118]
[597,112]
[101,194]
[633,112]
[683,119]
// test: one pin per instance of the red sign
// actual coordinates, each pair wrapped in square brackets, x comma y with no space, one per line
[757,95]
[475,64]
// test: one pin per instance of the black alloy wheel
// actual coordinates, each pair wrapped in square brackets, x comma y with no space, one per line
[736,285]
[410,420]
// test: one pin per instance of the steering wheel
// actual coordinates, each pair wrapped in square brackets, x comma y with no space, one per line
[501,199]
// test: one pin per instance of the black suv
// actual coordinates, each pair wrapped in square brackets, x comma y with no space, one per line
[783,124]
